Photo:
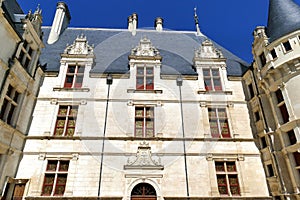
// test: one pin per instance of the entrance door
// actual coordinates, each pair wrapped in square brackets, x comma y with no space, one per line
[143,191]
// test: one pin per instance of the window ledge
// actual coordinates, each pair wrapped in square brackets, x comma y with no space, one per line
[214,92]
[71,89]
[144,91]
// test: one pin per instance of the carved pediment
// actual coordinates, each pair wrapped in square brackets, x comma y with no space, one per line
[79,47]
[144,48]
[208,50]
[143,159]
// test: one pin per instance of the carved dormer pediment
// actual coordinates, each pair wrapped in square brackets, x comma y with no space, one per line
[143,159]
[144,49]
[79,47]
[208,51]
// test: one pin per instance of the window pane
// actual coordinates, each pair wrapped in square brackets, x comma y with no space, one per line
[139,112]
[139,132]
[64,166]
[220,167]
[139,124]
[73,111]
[79,79]
[215,72]
[80,69]
[59,131]
[71,123]
[231,167]
[47,190]
[149,71]
[206,72]
[63,110]
[52,164]
[140,71]
[149,112]
[149,124]
[71,69]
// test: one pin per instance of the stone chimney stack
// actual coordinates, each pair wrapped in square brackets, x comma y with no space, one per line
[159,24]
[129,23]
[60,23]
[134,23]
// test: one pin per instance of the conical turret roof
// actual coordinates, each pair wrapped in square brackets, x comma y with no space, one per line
[284,18]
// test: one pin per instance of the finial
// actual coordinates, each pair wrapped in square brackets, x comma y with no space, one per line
[196,16]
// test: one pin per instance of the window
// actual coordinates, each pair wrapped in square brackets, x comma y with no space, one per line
[218,123]
[263,142]
[287,46]
[9,105]
[55,178]
[297,161]
[282,107]
[273,53]
[74,76]
[14,189]
[251,91]
[25,55]
[144,121]
[227,178]
[66,120]
[292,137]
[145,78]
[212,79]
[263,59]
[256,116]
[270,170]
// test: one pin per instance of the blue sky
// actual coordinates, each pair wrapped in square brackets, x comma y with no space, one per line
[228,22]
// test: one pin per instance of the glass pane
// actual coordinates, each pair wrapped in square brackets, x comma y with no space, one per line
[47,190]
[69,79]
[149,112]
[79,79]
[212,113]
[73,111]
[206,72]
[59,131]
[150,71]
[61,179]
[231,166]
[215,72]
[16,97]
[220,167]
[49,179]
[64,165]
[71,69]
[223,190]
[139,124]
[234,190]
[51,166]
[149,133]
[150,124]
[59,190]
[140,71]
[63,110]
[60,123]
[222,113]
[138,132]
[80,69]
[71,123]
[70,132]
[233,180]
[207,83]
[139,112]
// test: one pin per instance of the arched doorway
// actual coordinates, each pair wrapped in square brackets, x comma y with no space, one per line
[143,191]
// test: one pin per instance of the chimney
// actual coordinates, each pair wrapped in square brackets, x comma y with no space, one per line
[129,23]
[132,23]
[60,23]
[159,24]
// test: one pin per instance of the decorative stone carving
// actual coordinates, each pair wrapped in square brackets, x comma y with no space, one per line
[143,159]
[79,46]
[144,48]
[208,50]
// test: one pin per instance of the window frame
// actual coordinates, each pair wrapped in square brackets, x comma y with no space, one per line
[26,55]
[227,174]
[287,46]
[10,105]
[71,115]
[262,59]
[144,118]
[216,118]
[56,174]
[282,106]
[212,79]
[274,54]
[72,77]
[145,77]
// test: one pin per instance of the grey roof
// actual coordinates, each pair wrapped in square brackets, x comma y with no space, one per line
[14,14]
[284,18]
[112,47]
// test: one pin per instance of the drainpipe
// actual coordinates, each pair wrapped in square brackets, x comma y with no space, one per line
[271,143]
[109,81]
[179,81]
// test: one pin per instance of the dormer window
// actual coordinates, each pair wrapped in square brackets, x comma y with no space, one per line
[145,78]
[212,79]
[287,46]
[74,76]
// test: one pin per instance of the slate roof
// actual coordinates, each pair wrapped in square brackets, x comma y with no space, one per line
[112,47]
[14,14]
[284,18]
